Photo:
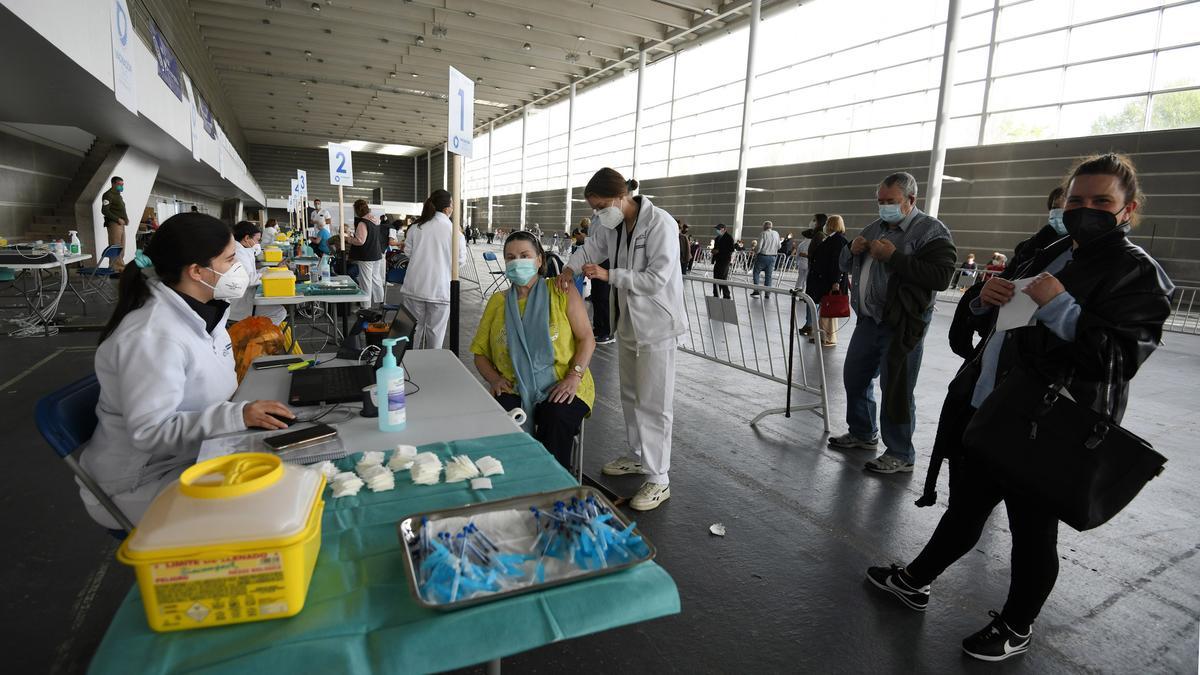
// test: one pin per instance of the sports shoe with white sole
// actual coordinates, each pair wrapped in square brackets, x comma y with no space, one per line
[890,579]
[847,441]
[622,466]
[997,641]
[650,496]
[888,464]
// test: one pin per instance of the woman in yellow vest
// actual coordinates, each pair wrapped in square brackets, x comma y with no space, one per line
[533,347]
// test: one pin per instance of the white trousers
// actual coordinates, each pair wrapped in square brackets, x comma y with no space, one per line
[133,503]
[371,276]
[648,399]
[432,318]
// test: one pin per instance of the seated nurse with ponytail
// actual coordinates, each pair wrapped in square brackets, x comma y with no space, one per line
[533,348]
[165,366]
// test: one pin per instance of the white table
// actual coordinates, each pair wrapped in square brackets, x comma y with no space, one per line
[289,302]
[450,406]
[39,316]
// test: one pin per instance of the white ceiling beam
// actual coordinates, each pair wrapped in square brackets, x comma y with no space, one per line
[431,74]
[617,30]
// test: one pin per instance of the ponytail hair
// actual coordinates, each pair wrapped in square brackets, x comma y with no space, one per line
[183,240]
[439,200]
[609,183]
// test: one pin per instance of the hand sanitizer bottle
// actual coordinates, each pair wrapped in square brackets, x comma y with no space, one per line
[389,384]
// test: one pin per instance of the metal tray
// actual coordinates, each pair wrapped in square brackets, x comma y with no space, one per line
[409,529]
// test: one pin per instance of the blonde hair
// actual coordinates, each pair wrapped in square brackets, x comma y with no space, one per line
[835,223]
[585,222]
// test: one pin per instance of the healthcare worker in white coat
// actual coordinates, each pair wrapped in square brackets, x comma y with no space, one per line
[248,237]
[426,289]
[165,366]
[647,314]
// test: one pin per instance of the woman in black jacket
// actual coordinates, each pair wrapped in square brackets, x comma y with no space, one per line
[825,275]
[1101,300]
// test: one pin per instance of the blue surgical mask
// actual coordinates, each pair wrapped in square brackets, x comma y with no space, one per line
[890,213]
[1056,221]
[521,271]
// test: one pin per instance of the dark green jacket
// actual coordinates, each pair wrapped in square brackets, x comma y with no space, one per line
[910,294]
[112,207]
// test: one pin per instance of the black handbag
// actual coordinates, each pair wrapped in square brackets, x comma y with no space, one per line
[1033,439]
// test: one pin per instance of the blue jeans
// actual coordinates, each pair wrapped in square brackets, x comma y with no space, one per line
[764,263]
[866,359]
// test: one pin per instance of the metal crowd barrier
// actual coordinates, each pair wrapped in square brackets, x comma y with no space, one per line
[1185,312]
[760,336]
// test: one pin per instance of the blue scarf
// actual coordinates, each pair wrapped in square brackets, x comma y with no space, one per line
[530,347]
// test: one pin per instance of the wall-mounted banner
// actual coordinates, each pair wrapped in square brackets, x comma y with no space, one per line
[168,65]
[210,126]
[195,123]
[221,152]
[124,82]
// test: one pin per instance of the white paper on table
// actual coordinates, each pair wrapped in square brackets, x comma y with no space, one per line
[1019,311]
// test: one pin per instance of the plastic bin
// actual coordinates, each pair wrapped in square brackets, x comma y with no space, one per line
[272,254]
[278,282]
[233,541]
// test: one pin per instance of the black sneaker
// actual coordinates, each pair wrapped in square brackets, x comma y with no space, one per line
[605,340]
[997,641]
[889,579]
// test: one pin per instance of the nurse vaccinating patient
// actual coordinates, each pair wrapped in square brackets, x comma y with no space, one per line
[642,241]
[165,366]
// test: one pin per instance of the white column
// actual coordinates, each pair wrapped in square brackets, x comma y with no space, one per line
[416,172]
[445,167]
[637,115]
[937,158]
[739,209]
[428,172]
[987,78]
[570,152]
[491,148]
[524,152]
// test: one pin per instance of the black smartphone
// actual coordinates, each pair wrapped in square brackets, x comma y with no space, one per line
[301,437]
[279,363]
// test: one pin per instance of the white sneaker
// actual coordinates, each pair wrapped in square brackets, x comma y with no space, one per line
[622,466]
[649,496]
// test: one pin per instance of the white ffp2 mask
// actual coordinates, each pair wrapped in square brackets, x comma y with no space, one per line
[231,284]
[610,217]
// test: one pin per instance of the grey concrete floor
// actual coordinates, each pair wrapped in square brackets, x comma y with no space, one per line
[783,591]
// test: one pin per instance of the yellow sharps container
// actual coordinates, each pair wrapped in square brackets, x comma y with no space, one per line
[234,540]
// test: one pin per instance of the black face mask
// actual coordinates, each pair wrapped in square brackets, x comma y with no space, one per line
[1085,225]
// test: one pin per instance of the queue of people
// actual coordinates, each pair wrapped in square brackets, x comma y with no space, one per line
[1101,304]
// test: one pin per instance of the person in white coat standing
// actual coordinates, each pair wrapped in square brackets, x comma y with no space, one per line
[647,315]
[165,366]
[426,290]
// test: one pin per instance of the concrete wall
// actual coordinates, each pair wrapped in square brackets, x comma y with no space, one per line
[139,172]
[80,29]
[274,166]
[1000,202]
[32,178]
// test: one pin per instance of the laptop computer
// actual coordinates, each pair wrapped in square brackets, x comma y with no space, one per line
[344,384]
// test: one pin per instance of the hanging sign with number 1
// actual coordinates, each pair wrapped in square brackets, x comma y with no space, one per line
[462,113]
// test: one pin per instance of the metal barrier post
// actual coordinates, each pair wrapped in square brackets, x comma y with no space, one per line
[775,358]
